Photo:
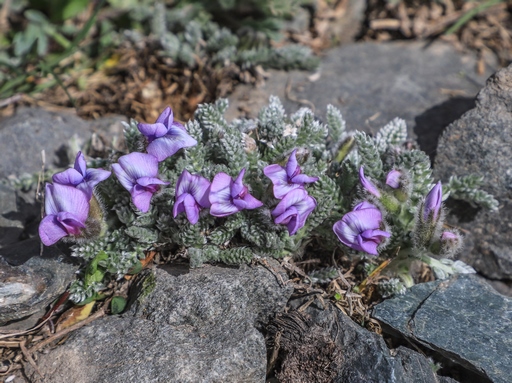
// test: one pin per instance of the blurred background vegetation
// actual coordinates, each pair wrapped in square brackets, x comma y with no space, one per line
[132,57]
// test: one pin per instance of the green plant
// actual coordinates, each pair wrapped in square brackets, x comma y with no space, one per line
[398,210]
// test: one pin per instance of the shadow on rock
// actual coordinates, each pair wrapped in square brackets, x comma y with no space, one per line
[431,123]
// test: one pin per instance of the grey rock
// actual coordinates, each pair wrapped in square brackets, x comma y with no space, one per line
[31,130]
[428,85]
[462,320]
[366,358]
[28,289]
[201,326]
[480,142]
[11,226]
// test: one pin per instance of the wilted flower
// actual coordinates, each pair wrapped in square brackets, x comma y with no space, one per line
[360,228]
[294,209]
[228,197]
[138,173]
[393,179]
[451,243]
[80,177]
[432,204]
[287,179]
[66,210]
[367,184]
[191,195]
[166,136]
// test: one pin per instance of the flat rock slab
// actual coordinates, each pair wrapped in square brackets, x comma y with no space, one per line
[462,319]
[200,326]
[428,85]
[28,289]
[480,142]
[356,354]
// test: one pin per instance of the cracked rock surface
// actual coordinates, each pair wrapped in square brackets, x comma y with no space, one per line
[461,320]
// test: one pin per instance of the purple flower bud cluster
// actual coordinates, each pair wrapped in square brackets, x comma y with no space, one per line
[288,185]
[67,201]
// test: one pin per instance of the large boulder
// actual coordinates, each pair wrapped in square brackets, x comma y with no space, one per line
[480,142]
[199,325]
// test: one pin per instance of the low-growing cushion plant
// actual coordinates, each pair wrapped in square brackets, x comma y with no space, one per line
[228,192]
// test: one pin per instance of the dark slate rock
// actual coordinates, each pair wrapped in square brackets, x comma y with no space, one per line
[366,358]
[481,143]
[201,326]
[463,320]
[428,85]
[28,289]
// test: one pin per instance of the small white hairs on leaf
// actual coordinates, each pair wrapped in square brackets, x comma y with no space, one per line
[393,134]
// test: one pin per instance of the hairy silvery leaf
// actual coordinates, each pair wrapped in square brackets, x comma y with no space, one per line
[393,134]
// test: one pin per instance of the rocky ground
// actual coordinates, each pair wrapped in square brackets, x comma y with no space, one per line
[246,324]
[249,323]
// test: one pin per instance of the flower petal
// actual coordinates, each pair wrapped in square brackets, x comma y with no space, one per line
[123,177]
[152,131]
[95,176]
[369,247]
[290,199]
[137,165]
[276,173]
[191,209]
[291,165]
[50,230]
[166,146]
[178,207]
[286,216]
[393,179]
[303,179]
[166,116]
[238,186]
[141,198]
[70,177]
[68,199]
[80,164]
[367,184]
[220,189]
[223,209]
[433,201]
[251,202]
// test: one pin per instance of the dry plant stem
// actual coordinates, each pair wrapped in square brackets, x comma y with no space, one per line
[29,358]
[12,99]
[66,331]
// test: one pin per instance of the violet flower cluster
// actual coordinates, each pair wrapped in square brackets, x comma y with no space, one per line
[288,185]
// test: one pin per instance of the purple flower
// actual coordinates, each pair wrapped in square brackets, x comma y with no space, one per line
[433,201]
[287,179]
[393,179]
[138,174]
[191,195]
[80,177]
[360,228]
[228,197]
[166,136]
[66,211]
[294,209]
[367,184]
